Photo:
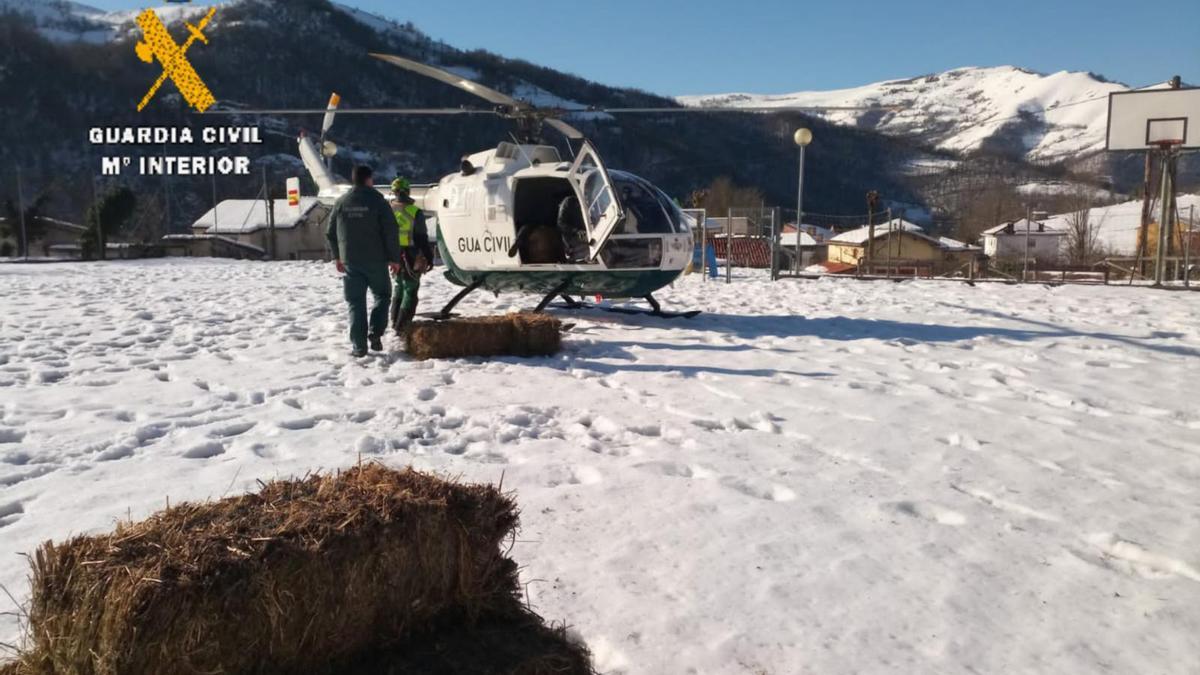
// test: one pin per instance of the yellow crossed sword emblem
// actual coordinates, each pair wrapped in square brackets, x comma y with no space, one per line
[159,44]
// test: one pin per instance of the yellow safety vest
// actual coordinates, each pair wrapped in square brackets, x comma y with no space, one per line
[405,218]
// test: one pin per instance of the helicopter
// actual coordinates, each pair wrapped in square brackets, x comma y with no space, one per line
[521,217]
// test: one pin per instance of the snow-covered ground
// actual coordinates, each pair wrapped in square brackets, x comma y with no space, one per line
[812,477]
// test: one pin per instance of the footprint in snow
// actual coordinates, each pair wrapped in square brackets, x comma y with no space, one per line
[1110,551]
[10,512]
[11,435]
[964,441]
[759,489]
[675,469]
[578,475]
[205,450]
[230,430]
[930,511]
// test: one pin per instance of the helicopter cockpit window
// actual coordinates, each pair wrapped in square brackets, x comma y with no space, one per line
[645,209]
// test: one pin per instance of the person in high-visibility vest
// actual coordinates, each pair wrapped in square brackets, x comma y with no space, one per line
[416,254]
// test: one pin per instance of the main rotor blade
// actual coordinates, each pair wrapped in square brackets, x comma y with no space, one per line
[754,109]
[486,93]
[564,128]
[358,111]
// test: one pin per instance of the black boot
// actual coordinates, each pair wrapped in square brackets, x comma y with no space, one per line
[376,343]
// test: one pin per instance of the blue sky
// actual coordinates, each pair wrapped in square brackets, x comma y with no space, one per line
[775,46]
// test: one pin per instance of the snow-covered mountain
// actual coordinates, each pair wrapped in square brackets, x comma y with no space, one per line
[65,21]
[1042,117]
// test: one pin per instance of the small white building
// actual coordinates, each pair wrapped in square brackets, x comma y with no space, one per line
[1008,241]
[298,232]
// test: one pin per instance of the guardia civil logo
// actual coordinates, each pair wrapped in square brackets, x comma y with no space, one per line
[158,45]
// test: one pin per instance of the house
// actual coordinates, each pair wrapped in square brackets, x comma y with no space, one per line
[814,244]
[55,233]
[901,247]
[1117,227]
[240,228]
[1007,242]
[811,235]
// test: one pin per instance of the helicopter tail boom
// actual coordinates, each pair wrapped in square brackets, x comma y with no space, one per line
[315,164]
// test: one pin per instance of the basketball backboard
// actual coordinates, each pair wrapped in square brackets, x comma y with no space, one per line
[1149,118]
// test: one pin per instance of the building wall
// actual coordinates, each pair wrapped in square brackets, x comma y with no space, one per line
[305,241]
[904,246]
[1042,247]
[55,234]
[905,250]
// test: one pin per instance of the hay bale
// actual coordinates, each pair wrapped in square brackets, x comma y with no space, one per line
[299,577]
[521,334]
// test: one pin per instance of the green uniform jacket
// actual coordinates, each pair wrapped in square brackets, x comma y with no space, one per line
[362,230]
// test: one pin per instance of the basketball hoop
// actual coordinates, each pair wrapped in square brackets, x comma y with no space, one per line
[1147,119]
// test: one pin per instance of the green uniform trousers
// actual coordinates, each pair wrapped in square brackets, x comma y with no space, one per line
[404,299]
[358,280]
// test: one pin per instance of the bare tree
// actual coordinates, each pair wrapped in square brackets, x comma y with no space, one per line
[723,194]
[1083,237]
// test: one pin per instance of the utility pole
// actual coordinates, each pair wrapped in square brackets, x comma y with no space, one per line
[1143,231]
[96,209]
[729,245]
[1025,267]
[270,215]
[21,216]
[872,200]
[889,240]
[1187,248]
[166,196]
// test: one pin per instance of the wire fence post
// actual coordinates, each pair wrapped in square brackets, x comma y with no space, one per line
[729,245]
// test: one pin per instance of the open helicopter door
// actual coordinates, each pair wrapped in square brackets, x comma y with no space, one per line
[602,211]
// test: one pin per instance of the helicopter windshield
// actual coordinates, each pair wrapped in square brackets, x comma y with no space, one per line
[648,210]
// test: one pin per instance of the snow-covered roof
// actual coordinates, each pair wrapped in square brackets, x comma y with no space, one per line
[956,245]
[1117,225]
[209,237]
[1035,227]
[859,237]
[242,216]
[812,235]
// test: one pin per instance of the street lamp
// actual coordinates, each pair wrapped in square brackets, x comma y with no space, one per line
[802,137]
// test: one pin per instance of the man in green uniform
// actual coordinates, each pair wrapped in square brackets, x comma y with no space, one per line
[362,237]
[416,254]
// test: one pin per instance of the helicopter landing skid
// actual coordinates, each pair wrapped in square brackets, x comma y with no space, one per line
[655,308]
[446,311]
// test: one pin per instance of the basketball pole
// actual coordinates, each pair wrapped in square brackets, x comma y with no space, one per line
[1164,220]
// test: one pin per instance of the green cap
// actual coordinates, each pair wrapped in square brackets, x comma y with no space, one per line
[401,185]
